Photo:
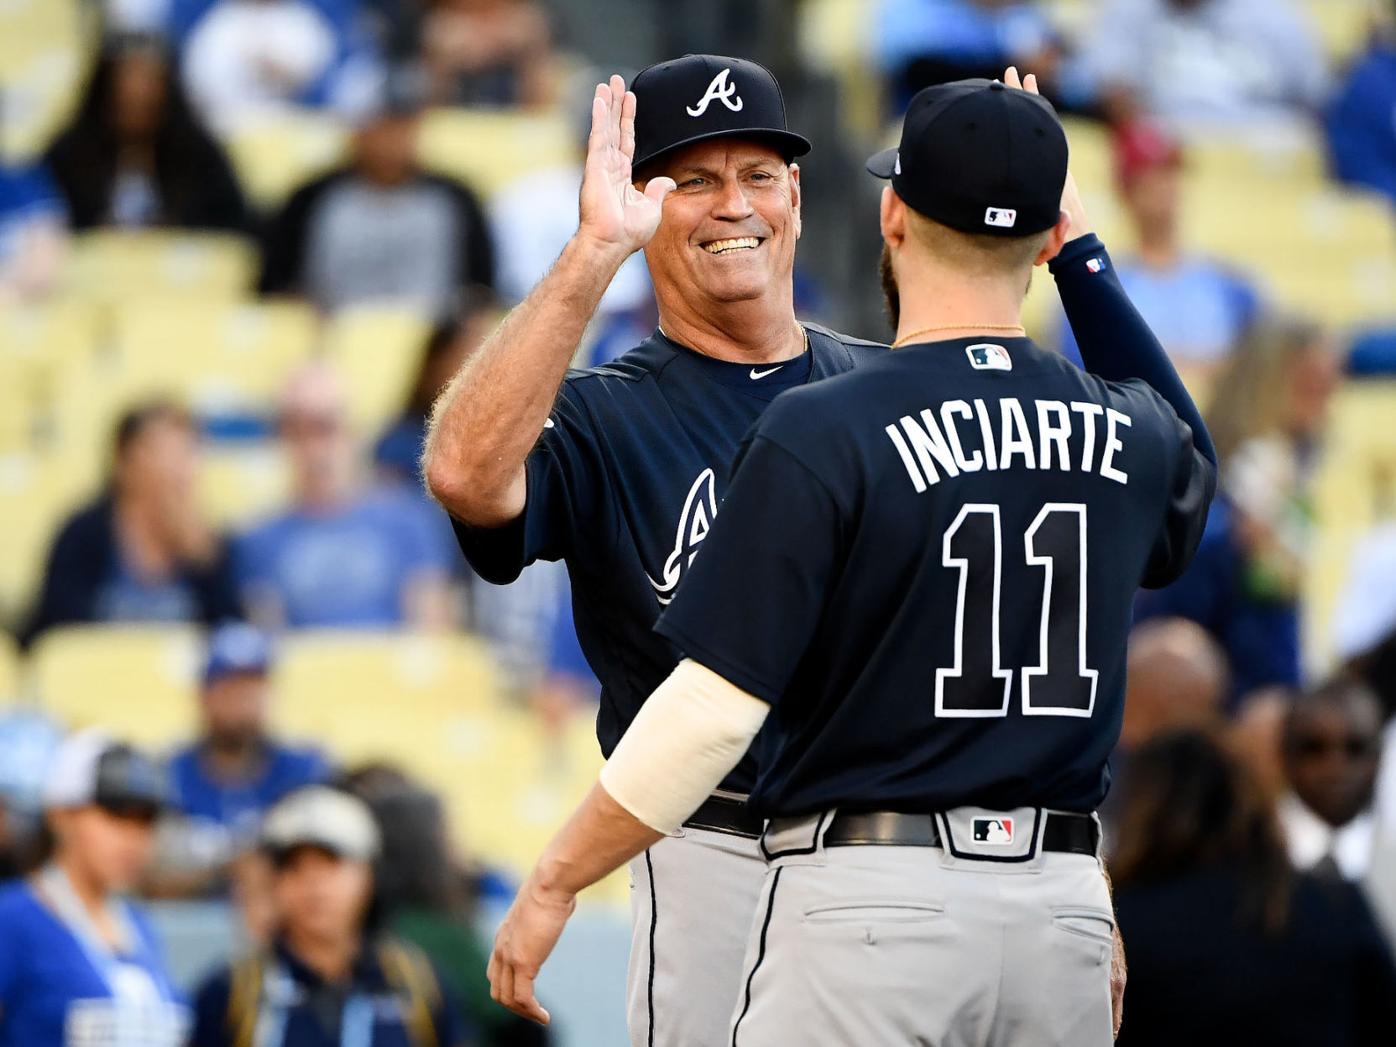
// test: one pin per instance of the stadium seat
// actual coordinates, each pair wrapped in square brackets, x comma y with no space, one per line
[378,350]
[115,266]
[487,149]
[217,357]
[36,494]
[1342,26]
[277,153]
[242,482]
[137,682]
[9,669]
[43,349]
[42,60]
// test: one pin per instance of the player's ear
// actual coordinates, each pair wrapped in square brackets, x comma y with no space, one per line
[1056,239]
[794,170]
[892,217]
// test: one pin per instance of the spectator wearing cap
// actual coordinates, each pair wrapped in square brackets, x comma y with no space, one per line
[379,228]
[331,976]
[142,552]
[1197,307]
[235,771]
[79,964]
[489,52]
[344,554]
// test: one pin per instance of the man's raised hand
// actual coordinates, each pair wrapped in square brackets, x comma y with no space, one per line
[613,212]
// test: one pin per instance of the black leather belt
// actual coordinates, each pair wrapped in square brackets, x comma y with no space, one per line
[725,814]
[1066,833]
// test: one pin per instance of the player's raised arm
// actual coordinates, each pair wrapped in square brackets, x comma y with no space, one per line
[490,415]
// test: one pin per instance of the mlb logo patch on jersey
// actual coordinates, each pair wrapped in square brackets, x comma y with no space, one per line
[1095,265]
[995,831]
[986,356]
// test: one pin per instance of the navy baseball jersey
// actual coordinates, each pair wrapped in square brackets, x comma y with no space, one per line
[926,566]
[624,485]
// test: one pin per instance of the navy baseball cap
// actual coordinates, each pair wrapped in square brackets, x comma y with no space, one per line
[235,649]
[698,97]
[979,157]
[91,768]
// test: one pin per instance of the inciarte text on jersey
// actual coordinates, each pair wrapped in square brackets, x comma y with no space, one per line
[1009,434]
[699,510]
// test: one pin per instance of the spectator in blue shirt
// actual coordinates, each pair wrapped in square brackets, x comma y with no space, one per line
[344,554]
[924,42]
[78,963]
[33,229]
[235,771]
[1361,119]
[332,976]
[1197,307]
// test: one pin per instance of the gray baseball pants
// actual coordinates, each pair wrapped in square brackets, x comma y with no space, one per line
[692,900]
[873,946]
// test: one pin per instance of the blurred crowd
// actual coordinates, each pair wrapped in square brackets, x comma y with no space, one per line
[1253,818]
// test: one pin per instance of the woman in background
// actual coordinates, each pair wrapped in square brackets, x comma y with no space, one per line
[1226,943]
[78,963]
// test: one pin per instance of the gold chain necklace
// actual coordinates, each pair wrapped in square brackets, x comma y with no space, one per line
[957,327]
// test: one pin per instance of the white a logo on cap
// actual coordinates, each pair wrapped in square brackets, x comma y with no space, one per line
[1003,217]
[720,90]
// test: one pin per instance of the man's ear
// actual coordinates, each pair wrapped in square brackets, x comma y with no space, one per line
[892,218]
[1056,240]
[795,199]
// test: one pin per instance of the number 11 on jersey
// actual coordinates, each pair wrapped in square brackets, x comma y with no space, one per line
[977,684]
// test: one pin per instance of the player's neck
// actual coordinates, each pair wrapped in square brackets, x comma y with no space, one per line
[758,331]
[954,306]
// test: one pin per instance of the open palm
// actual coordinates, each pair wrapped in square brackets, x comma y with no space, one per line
[613,211]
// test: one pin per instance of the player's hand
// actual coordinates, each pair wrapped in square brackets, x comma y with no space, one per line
[1072,203]
[524,941]
[1118,976]
[613,212]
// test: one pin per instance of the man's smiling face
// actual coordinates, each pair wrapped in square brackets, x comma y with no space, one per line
[729,228]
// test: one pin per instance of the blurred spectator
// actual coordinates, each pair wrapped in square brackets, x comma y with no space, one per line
[398,452]
[33,233]
[1361,119]
[381,228]
[1366,612]
[28,740]
[568,684]
[923,42]
[1177,678]
[1256,736]
[1374,351]
[235,771]
[136,157]
[1228,945]
[533,218]
[1270,406]
[430,898]
[78,963]
[1224,65]
[324,979]
[344,554]
[245,59]
[1332,748]
[489,52]
[142,552]
[1198,308]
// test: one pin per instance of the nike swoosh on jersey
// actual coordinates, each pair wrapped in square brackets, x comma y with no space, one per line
[755,374]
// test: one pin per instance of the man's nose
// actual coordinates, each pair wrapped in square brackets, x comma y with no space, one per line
[732,203]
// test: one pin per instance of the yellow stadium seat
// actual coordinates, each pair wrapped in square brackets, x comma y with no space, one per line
[215,356]
[378,350]
[277,154]
[115,266]
[1342,25]
[35,497]
[9,670]
[43,45]
[241,483]
[41,348]
[137,682]
[487,149]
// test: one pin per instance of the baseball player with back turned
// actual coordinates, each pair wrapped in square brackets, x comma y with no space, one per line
[921,577]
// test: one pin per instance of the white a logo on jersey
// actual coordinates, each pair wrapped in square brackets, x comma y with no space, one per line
[720,90]
[699,511]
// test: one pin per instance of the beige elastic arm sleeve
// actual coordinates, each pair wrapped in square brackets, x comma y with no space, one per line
[690,733]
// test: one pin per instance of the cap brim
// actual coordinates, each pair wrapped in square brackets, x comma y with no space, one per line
[883,164]
[788,142]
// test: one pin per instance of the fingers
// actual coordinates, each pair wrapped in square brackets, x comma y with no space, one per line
[658,188]
[525,1002]
[1030,84]
[1010,77]
[617,86]
[600,118]
[627,125]
[512,988]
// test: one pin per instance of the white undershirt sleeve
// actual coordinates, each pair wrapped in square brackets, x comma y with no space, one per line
[688,736]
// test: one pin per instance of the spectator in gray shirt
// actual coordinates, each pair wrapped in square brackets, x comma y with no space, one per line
[380,229]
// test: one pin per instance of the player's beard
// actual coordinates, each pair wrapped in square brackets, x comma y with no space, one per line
[891,295]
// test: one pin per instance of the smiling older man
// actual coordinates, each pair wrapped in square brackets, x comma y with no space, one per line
[631,465]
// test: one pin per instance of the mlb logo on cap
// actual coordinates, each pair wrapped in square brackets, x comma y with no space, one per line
[1001,217]
[997,831]
[987,356]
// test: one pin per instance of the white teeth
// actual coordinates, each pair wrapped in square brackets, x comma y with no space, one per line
[723,246]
